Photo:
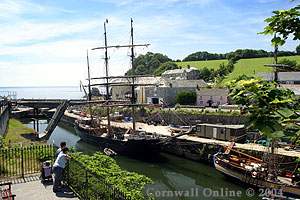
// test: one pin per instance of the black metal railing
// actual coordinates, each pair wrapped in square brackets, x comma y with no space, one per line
[21,161]
[88,185]
[3,105]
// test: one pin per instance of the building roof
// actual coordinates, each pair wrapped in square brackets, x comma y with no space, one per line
[178,71]
[185,83]
[282,76]
[213,91]
[139,80]
[231,126]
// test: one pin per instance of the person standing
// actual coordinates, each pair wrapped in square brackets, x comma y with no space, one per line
[58,168]
[62,145]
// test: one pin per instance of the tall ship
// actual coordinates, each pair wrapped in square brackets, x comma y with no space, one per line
[101,132]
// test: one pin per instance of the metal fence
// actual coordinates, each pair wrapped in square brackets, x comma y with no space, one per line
[21,161]
[88,185]
[3,105]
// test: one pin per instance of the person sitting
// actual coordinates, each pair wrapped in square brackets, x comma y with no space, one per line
[62,145]
[58,168]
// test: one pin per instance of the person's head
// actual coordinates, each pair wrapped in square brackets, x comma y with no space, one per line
[63,145]
[65,150]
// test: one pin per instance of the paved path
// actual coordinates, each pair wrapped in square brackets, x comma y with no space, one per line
[35,190]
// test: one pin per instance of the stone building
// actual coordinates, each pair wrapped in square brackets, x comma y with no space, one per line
[187,74]
[212,96]
[166,92]
[283,77]
[124,92]
[289,80]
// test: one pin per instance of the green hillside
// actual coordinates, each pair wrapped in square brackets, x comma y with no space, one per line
[243,66]
[201,64]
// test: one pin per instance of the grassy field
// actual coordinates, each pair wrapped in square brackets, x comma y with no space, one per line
[248,67]
[18,133]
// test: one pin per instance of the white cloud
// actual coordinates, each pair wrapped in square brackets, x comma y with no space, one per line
[15,8]
[28,31]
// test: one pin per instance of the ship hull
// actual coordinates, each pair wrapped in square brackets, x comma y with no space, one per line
[133,147]
[288,190]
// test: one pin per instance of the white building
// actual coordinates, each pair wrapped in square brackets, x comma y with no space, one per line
[212,96]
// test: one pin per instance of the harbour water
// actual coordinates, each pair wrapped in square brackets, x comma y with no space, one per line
[65,92]
[174,178]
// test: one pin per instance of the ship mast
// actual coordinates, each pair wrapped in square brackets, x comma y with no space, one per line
[89,76]
[89,83]
[133,99]
[105,48]
[107,78]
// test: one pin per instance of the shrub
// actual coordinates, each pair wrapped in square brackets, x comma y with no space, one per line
[186,98]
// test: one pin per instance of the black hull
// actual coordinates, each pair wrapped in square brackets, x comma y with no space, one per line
[132,147]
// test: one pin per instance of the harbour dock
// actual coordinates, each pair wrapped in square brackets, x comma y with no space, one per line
[164,131]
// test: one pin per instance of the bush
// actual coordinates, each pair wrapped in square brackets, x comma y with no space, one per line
[186,98]
[130,183]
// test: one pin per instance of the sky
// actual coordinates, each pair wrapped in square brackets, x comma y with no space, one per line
[44,42]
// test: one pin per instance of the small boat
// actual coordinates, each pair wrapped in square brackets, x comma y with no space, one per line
[179,129]
[254,172]
[109,152]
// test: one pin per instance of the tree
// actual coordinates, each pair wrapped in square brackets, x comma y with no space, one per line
[164,67]
[272,110]
[147,64]
[186,98]
[298,49]
[282,24]
[203,55]
[205,74]
[292,65]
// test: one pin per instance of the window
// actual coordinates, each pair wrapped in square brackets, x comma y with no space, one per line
[211,97]
[200,98]
[155,100]
[221,98]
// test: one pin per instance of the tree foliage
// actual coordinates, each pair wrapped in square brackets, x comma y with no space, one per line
[220,73]
[164,67]
[292,65]
[283,23]
[186,98]
[273,110]
[298,49]
[147,64]
[204,55]
[235,55]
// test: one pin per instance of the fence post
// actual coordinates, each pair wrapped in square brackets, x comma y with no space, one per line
[86,185]
[22,162]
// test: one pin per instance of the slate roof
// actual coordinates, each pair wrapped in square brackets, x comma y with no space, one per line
[186,83]
[213,92]
[282,76]
[178,71]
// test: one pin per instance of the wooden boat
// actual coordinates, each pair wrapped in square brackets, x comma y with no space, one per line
[179,129]
[254,172]
[109,152]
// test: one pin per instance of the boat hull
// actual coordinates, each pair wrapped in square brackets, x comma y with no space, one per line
[134,147]
[288,190]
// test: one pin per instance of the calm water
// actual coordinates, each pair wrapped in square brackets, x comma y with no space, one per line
[169,173]
[67,92]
